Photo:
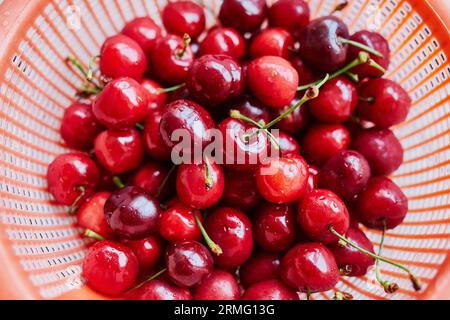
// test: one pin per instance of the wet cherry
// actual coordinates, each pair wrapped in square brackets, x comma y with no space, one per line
[313,178]
[160,290]
[184,17]
[293,15]
[156,97]
[178,223]
[148,251]
[253,109]
[261,266]
[152,178]
[240,190]
[295,121]
[287,145]
[219,285]
[243,15]
[153,143]
[222,40]
[305,74]
[272,42]
[91,216]
[270,290]
[144,31]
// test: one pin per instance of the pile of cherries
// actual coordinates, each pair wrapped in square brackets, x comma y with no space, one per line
[204,230]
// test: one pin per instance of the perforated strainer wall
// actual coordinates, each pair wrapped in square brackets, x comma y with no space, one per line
[40,247]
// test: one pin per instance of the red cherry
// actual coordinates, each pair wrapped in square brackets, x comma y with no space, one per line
[182,17]
[156,97]
[240,190]
[107,180]
[243,15]
[313,179]
[110,267]
[119,151]
[272,42]
[121,104]
[292,15]
[148,251]
[261,266]
[153,143]
[253,109]
[178,223]
[152,178]
[160,290]
[91,215]
[121,56]
[220,285]
[270,290]
[144,31]
[305,74]
[295,121]
[288,145]
[222,40]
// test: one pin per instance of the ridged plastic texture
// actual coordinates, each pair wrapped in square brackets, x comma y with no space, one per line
[41,250]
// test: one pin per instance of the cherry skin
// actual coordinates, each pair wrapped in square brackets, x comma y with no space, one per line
[381,203]
[273,81]
[384,102]
[148,251]
[178,223]
[253,109]
[240,190]
[160,290]
[156,98]
[132,213]
[91,216]
[153,143]
[144,31]
[182,17]
[381,148]
[309,268]
[72,175]
[336,102]
[119,151]
[79,118]
[188,263]
[261,266]
[220,285]
[272,42]
[282,180]
[110,267]
[346,174]
[305,74]
[232,231]
[151,177]
[323,141]
[270,290]
[275,227]
[318,211]
[320,46]
[222,40]
[313,178]
[121,104]
[288,145]
[293,15]
[352,262]
[121,56]
[294,122]
[243,15]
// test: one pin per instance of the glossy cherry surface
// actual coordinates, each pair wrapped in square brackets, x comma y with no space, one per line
[293,15]
[272,42]
[156,97]
[178,223]
[219,285]
[148,251]
[261,266]
[144,31]
[287,145]
[223,40]
[305,74]
[151,177]
[160,290]
[253,109]
[270,290]
[91,216]
[240,190]
[294,122]
[182,17]
[243,15]
[151,136]
[313,178]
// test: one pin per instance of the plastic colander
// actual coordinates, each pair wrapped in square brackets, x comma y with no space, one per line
[41,249]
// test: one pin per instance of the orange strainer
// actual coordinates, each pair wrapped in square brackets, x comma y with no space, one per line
[41,249]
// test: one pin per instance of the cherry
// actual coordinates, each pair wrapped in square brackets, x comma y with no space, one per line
[275,227]
[148,251]
[313,178]
[152,177]
[79,118]
[381,204]
[160,290]
[171,59]
[108,180]
[121,56]
[121,104]
[144,31]
[184,17]
[323,141]
[337,101]
[287,144]
[346,174]
[132,213]
[178,223]
[188,263]
[219,285]
[270,290]
[232,230]
[156,97]
[295,121]
[352,262]
[240,190]
[383,102]
[309,268]
[72,178]
[222,40]
[214,79]
[272,42]
[292,15]
[318,212]
[305,74]
[281,180]
[119,151]
[273,81]
[261,266]
[91,217]
[321,46]
[243,15]
[153,143]
[381,148]
[110,267]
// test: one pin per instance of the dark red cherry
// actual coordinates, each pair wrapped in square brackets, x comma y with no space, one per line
[121,56]
[287,145]
[110,267]
[381,148]
[383,102]
[275,227]
[261,266]
[132,213]
[240,190]
[320,210]
[183,17]
[381,203]
[352,262]
[153,143]
[72,177]
[309,268]
[346,174]
[220,285]
[270,290]
[336,102]
[313,178]
[144,31]
[121,104]
[119,151]
[188,263]
[160,290]
[295,121]
[320,46]
[79,118]
[152,178]
[305,74]
[323,141]
[178,223]
[243,15]
[91,216]
[213,79]
[292,15]
[156,97]
[253,109]
[148,251]
[282,180]
[222,40]
[232,231]
[272,42]
[273,81]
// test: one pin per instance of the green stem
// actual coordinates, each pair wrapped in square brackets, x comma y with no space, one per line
[92,234]
[139,126]
[354,77]
[153,277]
[77,65]
[211,244]
[118,182]
[186,41]
[361,46]
[74,207]
[368,99]
[208,177]
[90,72]
[171,89]
[389,287]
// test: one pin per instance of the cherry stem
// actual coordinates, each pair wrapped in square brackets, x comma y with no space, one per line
[87,74]
[339,295]
[165,181]
[211,244]
[366,99]
[153,277]
[90,71]
[353,76]
[118,182]
[208,177]
[186,42]
[92,234]
[74,207]
[139,126]
[340,7]
[361,46]
[415,281]
[389,287]
[171,89]
[308,294]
